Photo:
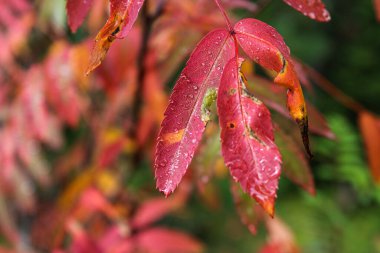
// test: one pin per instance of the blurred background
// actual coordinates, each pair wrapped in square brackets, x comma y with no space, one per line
[76,150]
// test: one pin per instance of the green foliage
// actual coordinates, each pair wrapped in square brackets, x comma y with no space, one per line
[343,160]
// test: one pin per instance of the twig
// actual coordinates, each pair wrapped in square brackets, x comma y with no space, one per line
[336,93]
[147,24]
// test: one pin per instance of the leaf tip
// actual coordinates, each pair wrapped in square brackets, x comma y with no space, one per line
[167,192]
[99,52]
[311,190]
[304,129]
[268,206]
[167,188]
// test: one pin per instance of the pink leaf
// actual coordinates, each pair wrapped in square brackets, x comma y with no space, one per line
[280,238]
[76,12]
[116,240]
[247,137]
[187,113]
[263,44]
[246,4]
[160,240]
[314,9]
[154,209]
[81,242]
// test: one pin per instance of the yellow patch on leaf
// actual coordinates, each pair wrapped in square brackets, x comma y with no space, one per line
[171,138]
[287,77]
[295,101]
[269,207]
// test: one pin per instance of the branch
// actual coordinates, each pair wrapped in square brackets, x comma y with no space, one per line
[147,24]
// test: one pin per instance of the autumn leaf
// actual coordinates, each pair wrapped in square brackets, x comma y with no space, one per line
[187,113]
[156,208]
[263,44]
[280,238]
[246,4]
[314,9]
[76,12]
[377,9]
[162,240]
[123,15]
[370,129]
[247,138]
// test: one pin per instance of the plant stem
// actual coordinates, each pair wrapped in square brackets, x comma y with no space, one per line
[147,25]
[334,92]
[222,10]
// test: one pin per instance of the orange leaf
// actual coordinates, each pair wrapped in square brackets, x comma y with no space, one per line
[123,16]
[377,9]
[370,129]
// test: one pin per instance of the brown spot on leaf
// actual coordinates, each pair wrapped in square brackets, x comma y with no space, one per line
[231,125]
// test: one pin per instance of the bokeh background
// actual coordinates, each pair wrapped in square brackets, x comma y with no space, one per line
[76,151]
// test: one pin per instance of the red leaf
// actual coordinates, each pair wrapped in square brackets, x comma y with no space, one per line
[81,242]
[123,15]
[160,240]
[247,137]
[246,4]
[377,9]
[110,152]
[116,240]
[314,9]
[280,238]
[154,209]
[76,12]
[370,129]
[187,113]
[263,44]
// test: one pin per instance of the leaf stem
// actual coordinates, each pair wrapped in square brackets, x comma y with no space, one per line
[223,11]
